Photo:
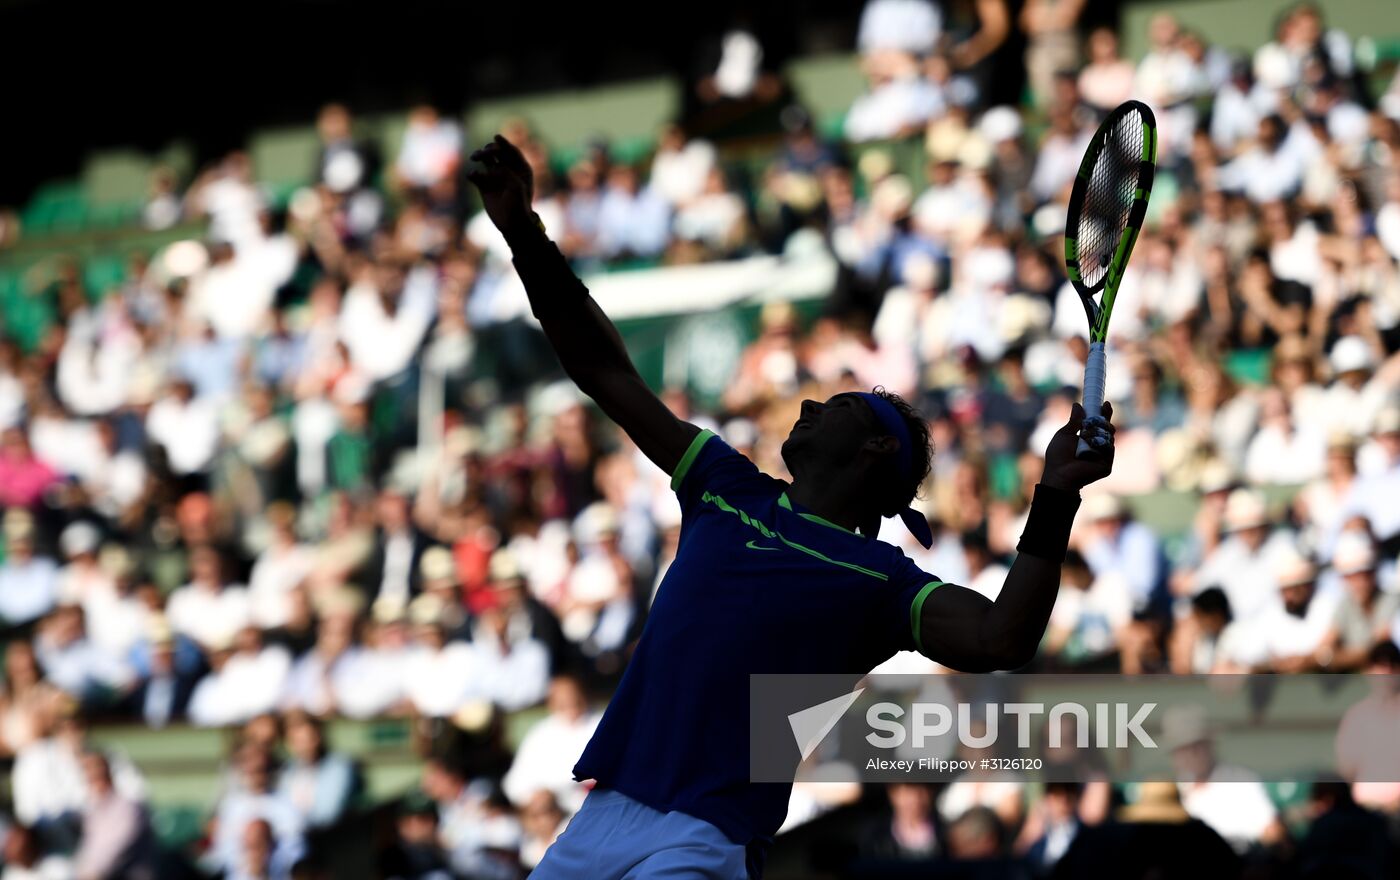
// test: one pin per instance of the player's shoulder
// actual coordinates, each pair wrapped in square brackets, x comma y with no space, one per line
[711,464]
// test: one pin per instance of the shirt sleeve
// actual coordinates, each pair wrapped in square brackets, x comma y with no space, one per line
[712,466]
[912,588]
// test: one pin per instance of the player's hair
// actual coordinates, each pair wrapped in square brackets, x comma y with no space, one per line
[897,493]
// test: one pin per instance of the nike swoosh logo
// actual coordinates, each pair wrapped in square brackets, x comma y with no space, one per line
[752,546]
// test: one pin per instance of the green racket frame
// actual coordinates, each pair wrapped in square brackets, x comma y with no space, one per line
[1095,369]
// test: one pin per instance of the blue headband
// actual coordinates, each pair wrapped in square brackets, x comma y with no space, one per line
[893,424]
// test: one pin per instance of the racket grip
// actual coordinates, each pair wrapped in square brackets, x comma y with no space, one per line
[1095,374]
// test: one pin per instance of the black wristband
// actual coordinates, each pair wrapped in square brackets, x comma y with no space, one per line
[1048,523]
[544,270]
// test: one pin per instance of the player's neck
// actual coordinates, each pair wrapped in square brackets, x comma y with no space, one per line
[832,500]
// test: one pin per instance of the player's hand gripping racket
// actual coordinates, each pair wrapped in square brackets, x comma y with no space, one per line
[1106,209]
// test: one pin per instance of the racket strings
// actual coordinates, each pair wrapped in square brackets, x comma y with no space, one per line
[1108,198]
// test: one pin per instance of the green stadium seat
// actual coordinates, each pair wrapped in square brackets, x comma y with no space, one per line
[628,115]
[117,177]
[284,158]
[827,85]
[103,272]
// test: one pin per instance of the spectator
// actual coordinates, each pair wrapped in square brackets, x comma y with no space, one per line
[1060,809]
[1107,80]
[1052,43]
[392,570]
[632,219]
[246,681]
[208,609]
[1364,756]
[1365,615]
[1242,565]
[1198,646]
[439,676]
[117,838]
[49,786]
[1343,837]
[343,164]
[910,832]
[24,858]
[415,853]
[28,582]
[1291,635]
[1154,836]
[1117,546]
[280,569]
[550,749]
[373,681]
[318,783]
[541,822]
[1089,617]
[257,830]
[899,102]
[905,26]
[1231,800]
[431,149]
[170,672]
[81,669]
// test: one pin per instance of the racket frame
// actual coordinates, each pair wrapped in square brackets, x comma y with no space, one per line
[1096,366]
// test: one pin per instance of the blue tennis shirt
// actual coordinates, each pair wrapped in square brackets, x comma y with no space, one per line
[758,585]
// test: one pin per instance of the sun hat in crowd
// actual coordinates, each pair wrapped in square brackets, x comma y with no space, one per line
[504,568]
[1103,506]
[1351,354]
[1353,554]
[1157,802]
[1184,725]
[1216,477]
[1000,124]
[437,564]
[1387,421]
[1293,569]
[79,539]
[1245,509]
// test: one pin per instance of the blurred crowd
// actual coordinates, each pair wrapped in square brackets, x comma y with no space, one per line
[321,464]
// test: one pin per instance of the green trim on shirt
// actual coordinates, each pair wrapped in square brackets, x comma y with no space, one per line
[689,458]
[916,610]
[753,522]
[786,504]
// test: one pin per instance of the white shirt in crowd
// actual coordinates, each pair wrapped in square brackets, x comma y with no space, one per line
[48,780]
[893,107]
[1233,802]
[1279,456]
[247,685]
[546,758]
[276,573]
[904,25]
[383,345]
[679,176]
[369,681]
[210,617]
[439,681]
[189,431]
[430,151]
[1246,576]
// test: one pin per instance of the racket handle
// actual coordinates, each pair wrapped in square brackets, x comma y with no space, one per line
[1095,374]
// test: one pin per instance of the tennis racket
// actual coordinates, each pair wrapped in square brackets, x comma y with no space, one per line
[1106,209]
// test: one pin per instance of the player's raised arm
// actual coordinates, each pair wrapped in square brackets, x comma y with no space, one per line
[970,633]
[588,345]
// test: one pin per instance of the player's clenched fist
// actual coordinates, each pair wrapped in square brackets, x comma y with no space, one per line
[506,184]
